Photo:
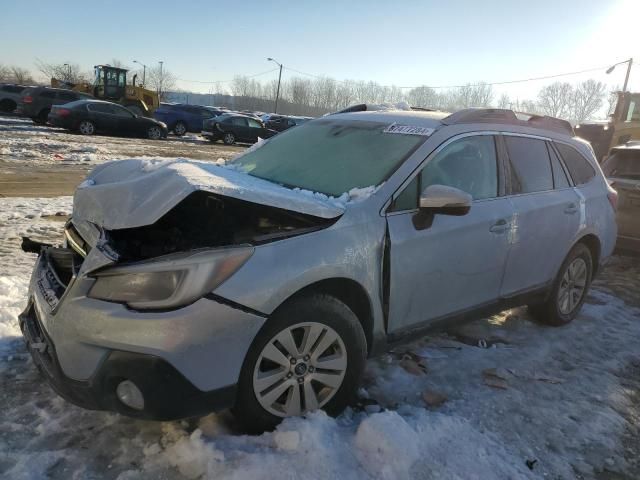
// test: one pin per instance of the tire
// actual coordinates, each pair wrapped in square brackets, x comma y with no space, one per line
[229,138]
[86,127]
[7,105]
[336,330]
[569,289]
[180,129]
[154,133]
[42,117]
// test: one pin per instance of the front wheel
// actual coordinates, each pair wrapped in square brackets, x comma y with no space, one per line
[180,129]
[310,355]
[569,289]
[154,133]
[86,127]
[229,139]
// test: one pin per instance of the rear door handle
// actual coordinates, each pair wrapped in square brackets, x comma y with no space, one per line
[571,209]
[499,227]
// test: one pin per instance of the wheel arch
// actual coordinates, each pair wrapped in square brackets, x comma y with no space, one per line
[348,291]
[592,242]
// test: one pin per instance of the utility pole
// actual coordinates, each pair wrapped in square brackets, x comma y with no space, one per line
[161,80]
[275,110]
[68,72]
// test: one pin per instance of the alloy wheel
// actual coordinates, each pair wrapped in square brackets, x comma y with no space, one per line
[87,128]
[180,129]
[300,369]
[154,133]
[229,138]
[572,286]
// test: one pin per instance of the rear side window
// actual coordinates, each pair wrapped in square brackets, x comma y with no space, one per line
[100,107]
[239,121]
[559,177]
[579,167]
[530,165]
[67,96]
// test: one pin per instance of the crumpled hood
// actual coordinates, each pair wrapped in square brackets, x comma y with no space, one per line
[137,192]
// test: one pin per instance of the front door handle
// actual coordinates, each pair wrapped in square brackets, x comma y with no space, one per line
[571,209]
[500,226]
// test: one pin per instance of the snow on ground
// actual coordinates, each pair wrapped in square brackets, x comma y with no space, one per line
[23,142]
[559,406]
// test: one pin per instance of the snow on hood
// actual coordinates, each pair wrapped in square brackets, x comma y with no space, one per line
[137,192]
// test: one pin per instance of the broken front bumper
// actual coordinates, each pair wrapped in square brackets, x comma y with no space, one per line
[185,361]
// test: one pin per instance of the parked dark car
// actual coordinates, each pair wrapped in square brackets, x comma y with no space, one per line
[94,116]
[36,102]
[281,123]
[233,127]
[10,95]
[181,118]
[622,169]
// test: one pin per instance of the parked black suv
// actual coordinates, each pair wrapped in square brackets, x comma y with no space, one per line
[36,102]
[233,127]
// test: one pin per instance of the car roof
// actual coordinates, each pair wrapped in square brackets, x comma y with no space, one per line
[416,118]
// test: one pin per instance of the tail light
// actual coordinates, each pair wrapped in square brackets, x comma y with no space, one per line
[612,195]
[27,99]
[63,112]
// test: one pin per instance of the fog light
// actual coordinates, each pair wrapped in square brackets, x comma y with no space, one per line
[130,395]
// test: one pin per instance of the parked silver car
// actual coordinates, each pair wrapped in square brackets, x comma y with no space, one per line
[185,287]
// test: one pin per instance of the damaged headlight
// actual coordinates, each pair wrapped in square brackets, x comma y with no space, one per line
[169,281]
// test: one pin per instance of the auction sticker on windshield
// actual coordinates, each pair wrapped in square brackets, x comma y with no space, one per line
[408,130]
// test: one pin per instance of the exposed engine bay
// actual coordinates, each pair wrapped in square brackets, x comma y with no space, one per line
[204,220]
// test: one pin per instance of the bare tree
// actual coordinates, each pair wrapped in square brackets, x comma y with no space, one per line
[588,98]
[504,101]
[21,75]
[69,72]
[555,99]
[422,97]
[161,80]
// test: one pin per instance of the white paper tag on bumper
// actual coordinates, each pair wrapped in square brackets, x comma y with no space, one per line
[408,130]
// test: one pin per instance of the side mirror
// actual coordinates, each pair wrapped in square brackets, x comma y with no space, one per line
[445,200]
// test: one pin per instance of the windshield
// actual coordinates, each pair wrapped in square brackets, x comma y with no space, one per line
[330,156]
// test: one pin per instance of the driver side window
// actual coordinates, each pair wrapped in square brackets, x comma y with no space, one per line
[469,164]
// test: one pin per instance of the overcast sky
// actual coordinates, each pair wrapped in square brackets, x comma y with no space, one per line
[405,43]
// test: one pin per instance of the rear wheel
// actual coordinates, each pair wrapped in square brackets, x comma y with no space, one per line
[180,129]
[7,105]
[154,133]
[569,289]
[86,127]
[310,355]
[42,117]
[229,139]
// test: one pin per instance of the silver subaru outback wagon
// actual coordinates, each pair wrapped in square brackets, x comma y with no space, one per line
[265,283]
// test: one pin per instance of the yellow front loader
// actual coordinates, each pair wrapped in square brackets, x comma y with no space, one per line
[110,83]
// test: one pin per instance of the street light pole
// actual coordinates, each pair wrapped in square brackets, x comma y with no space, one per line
[275,110]
[161,80]
[68,72]
[626,78]
[144,71]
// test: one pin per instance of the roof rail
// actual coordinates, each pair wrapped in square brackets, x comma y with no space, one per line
[509,117]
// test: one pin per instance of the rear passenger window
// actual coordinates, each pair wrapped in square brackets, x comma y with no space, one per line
[559,177]
[530,165]
[579,167]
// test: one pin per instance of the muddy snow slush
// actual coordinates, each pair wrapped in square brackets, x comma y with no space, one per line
[184,287]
